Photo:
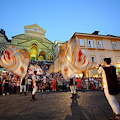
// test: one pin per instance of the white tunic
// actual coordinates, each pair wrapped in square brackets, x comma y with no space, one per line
[34,78]
[101,71]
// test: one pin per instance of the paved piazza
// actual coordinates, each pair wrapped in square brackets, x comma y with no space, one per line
[90,105]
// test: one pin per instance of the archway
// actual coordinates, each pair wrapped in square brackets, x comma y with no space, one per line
[42,55]
[33,52]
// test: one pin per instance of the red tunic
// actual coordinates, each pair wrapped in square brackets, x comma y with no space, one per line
[93,86]
[54,84]
[78,81]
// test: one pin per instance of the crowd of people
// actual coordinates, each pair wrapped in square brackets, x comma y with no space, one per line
[10,83]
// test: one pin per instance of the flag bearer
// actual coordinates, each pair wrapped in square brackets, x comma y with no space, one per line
[35,82]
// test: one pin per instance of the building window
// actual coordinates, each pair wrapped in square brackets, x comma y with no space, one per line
[101,59]
[92,58]
[50,56]
[99,44]
[118,59]
[81,42]
[90,43]
[114,45]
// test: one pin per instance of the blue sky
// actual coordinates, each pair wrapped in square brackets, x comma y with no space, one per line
[61,18]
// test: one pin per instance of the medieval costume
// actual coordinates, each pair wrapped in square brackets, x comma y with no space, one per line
[72,87]
[34,85]
[78,81]
[110,85]
[22,86]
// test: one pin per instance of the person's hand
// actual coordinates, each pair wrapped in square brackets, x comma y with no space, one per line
[97,66]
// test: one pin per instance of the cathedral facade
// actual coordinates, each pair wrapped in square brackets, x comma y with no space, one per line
[33,40]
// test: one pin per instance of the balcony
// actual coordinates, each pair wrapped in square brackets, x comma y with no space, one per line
[100,47]
[116,48]
[91,47]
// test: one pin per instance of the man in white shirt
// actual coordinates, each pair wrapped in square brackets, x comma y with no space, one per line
[34,82]
[110,85]
[87,83]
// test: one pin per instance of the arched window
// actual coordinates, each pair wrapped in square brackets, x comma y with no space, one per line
[42,55]
[50,56]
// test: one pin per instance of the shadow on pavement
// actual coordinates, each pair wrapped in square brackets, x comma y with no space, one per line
[79,113]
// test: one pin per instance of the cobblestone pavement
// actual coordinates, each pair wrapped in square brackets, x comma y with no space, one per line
[90,105]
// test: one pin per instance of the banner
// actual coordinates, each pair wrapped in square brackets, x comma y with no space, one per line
[15,60]
[33,68]
[72,60]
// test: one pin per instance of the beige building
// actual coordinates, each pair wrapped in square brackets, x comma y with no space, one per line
[96,47]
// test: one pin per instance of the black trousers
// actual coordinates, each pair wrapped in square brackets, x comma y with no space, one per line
[6,88]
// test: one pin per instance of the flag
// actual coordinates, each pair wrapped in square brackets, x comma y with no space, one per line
[72,60]
[33,68]
[38,69]
[79,60]
[66,70]
[15,60]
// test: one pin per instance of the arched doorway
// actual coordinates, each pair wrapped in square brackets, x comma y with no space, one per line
[33,52]
[42,55]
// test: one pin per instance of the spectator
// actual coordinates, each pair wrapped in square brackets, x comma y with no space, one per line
[0,86]
[67,82]
[78,82]
[64,85]
[54,83]
[18,85]
[29,79]
[87,83]
[92,84]
[47,86]
[96,83]
[6,86]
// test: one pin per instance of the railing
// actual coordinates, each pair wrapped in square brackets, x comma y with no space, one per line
[41,61]
[115,48]
[100,47]
[91,47]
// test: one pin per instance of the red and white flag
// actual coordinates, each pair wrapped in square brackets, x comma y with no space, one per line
[33,68]
[66,69]
[72,60]
[38,69]
[15,60]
